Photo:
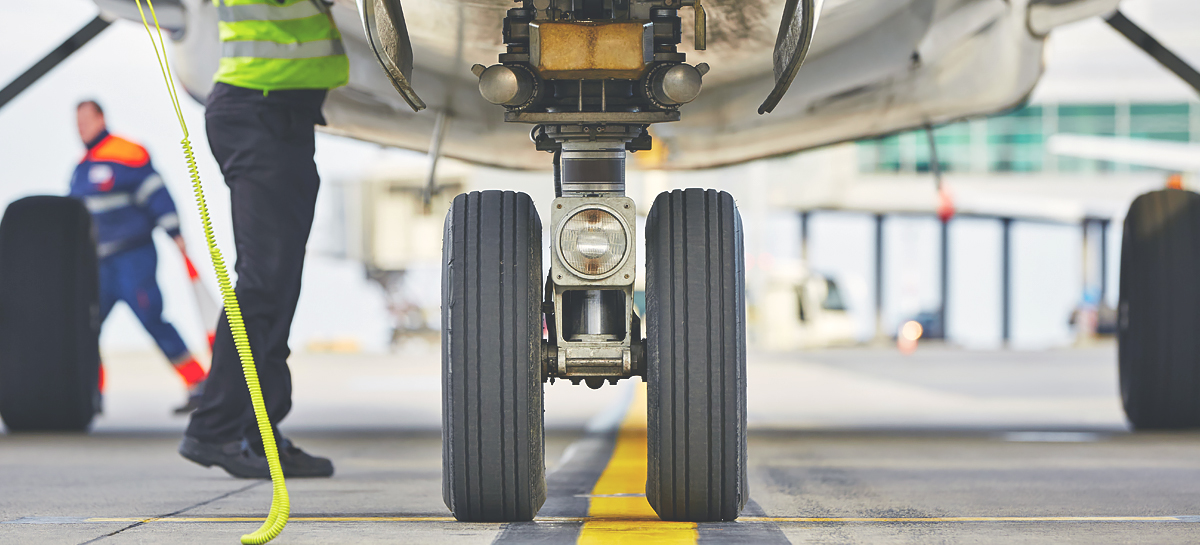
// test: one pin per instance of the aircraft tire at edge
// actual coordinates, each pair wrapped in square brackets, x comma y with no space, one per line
[493,444]
[49,332]
[1159,311]
[696,357]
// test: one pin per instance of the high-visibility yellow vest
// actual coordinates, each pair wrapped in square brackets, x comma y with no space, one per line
[274,45]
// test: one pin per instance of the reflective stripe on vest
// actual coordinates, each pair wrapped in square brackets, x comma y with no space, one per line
[149,187]
[272,50]
[99,204]
[268,46]
[169,221]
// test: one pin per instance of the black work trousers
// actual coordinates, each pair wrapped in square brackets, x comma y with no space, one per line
[264,145]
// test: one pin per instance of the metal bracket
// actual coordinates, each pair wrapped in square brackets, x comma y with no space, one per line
[791,47]
[580,355]
[701,26]
[435,153]
[638,118]
[387,34]
[1156,50]
[60,53]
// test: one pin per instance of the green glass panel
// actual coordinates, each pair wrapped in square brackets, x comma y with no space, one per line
[1160,121]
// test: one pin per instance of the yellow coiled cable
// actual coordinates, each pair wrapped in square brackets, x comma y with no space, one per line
[277,518]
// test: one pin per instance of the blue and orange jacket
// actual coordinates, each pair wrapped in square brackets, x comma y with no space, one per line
[125,195]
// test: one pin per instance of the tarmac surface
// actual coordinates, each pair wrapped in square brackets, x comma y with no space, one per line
[846,446]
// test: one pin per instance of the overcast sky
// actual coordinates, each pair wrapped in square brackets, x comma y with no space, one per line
[1090,62]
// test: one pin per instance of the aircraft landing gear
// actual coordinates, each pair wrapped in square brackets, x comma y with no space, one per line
[49,329]
[494,358]
[1159,311]
[590,110]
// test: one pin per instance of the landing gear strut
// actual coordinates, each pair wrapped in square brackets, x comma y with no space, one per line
[590,111]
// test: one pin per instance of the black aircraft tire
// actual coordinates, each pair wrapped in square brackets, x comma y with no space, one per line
[492,428]
[1159,311]
[49,335]
[696,357]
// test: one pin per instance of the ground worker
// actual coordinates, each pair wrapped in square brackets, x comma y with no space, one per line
[279,59]
[127,200]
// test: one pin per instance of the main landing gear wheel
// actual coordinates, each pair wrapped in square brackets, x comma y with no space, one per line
[696,357]
[492,427]
[1159,348]
[49,335]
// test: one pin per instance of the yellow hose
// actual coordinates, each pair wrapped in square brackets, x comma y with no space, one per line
[277,518]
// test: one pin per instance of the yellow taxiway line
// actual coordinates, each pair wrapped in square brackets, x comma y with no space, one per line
[618,511]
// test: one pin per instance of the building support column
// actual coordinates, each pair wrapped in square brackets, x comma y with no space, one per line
[1006,283]
[935,166]
[1085,259]
[879,332]
[1103,260]
[804,237]
[944,278]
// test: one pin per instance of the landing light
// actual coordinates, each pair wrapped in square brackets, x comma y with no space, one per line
[593,242]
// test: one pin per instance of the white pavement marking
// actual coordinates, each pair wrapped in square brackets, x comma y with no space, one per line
[1050,437]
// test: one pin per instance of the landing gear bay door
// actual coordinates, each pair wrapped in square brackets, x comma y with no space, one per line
[791,46]
[383,22]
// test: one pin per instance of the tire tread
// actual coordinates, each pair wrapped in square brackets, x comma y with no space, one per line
[1159,311]
[493,461]
[49,327]
[696,357]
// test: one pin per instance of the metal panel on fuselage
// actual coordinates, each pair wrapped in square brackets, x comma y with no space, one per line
[860,79]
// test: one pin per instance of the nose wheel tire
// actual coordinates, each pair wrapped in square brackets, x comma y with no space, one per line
[1159,311]
[696,357]
[492,428]
[49,332]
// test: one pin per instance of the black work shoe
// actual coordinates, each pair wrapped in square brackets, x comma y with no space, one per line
[193,401]
[192,404]
[297,463]
[234,457]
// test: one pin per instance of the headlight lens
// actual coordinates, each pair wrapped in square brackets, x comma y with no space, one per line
[593,242]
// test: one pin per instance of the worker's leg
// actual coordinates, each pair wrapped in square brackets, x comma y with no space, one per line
[110,293]
[266,154]
[109,288]
[138,269]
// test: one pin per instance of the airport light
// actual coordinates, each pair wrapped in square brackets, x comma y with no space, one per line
[912,330]
[910,333]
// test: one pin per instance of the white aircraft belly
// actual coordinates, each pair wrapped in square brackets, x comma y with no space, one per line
[859,80]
